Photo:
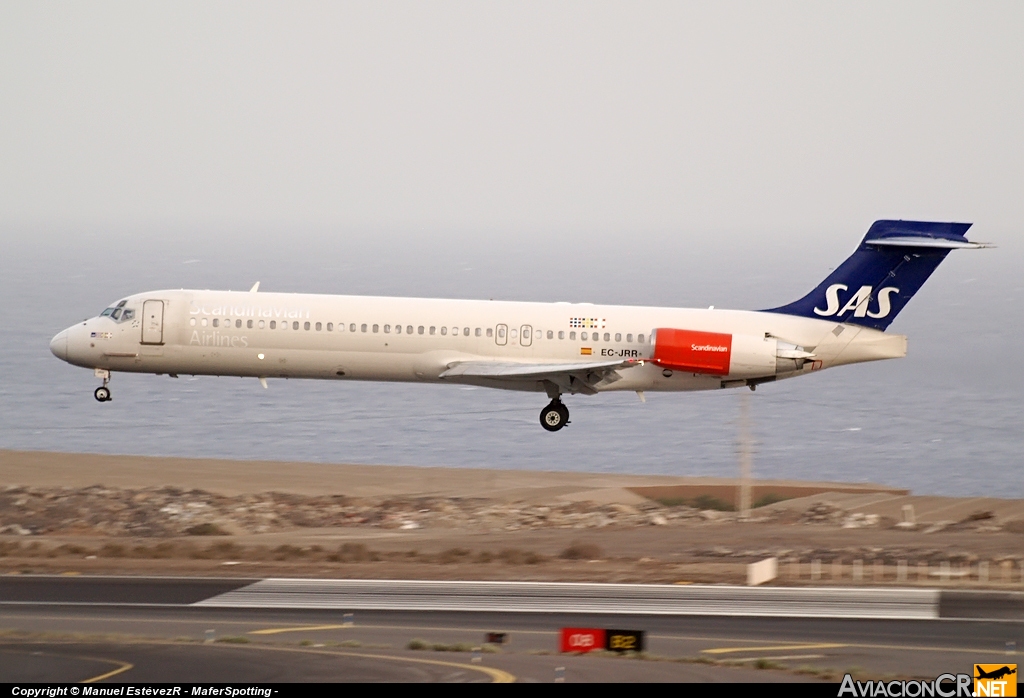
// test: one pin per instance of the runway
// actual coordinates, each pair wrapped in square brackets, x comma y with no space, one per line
[517,597]
[83,627]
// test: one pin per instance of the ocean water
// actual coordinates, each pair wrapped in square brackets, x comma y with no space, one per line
[945,420]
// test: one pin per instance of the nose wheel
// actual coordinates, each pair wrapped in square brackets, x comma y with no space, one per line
[102,393]
[554,416]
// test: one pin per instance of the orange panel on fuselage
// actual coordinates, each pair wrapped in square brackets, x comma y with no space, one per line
[693,351]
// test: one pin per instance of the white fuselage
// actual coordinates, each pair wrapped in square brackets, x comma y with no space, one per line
[285,335]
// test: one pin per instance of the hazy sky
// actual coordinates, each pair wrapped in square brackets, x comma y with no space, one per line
[588,120]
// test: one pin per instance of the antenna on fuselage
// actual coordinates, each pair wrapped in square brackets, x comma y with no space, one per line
[255,287]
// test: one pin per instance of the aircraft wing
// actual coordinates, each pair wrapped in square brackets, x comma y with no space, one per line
[573,377]
[499,369]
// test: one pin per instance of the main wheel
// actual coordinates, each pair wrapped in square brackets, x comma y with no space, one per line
[554,416]
[102,393]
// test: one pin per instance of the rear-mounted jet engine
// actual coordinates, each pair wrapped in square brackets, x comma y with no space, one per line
[735,356]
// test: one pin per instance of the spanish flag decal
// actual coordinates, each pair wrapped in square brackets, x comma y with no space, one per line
[586,351]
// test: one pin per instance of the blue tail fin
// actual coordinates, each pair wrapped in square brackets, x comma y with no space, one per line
[892,262]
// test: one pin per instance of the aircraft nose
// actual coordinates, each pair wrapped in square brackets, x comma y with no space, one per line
[59,345]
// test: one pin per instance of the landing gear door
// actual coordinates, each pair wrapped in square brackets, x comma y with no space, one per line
[153,322]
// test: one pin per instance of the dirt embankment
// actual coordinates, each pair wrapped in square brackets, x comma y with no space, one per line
[449,523]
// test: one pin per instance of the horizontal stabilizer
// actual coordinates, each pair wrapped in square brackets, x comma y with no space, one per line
[934,243]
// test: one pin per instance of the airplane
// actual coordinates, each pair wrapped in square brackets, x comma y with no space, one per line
[552,348]
[995,673]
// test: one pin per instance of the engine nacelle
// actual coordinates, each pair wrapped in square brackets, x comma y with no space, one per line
[717,354]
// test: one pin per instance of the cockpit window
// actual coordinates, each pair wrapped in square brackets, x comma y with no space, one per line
[114,311]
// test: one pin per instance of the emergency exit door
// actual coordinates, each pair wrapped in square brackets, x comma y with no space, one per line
[153,322]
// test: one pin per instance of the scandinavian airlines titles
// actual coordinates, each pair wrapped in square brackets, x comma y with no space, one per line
[858,303]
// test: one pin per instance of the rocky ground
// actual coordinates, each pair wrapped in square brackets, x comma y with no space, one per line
[147,530]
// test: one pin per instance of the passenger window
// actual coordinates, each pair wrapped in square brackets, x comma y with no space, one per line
[478,332]
[273,324]
[501,333]
[561,334]
[330,327]
[551,334]
[203,322]
[398,329]
[526,333]
[465,332]
[572,335]
[248,324]
[238,323]
[262,324]
[216,322]
[629,337]
[431,329]
[583,336]
[305,325]
[455,331]
[364,327]
[318,327]
[513,333]
[444,330]
[387,329]
[490,331]
[419,329]
[295,325]
[607,337]
[640,338]
[376,328]
[408,329]
[352,327]
[618,336]
[192,321]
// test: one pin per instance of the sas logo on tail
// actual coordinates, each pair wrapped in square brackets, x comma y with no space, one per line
[858,303]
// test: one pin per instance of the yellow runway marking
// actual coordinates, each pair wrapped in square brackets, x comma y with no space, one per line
[497,675]
[123,667]
[774,648]
[786,657]
[297,629]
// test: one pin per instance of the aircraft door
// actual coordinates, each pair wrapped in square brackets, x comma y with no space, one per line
[526,335]
[153,322]
[501,335]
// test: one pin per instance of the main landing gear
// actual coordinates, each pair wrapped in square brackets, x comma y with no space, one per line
[102,394]
[554,416]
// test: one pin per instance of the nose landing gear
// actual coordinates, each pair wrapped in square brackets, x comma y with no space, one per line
[554,416]
[102,394]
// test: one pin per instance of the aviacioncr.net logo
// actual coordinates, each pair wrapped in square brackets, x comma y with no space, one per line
[943,686]
[858,302]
